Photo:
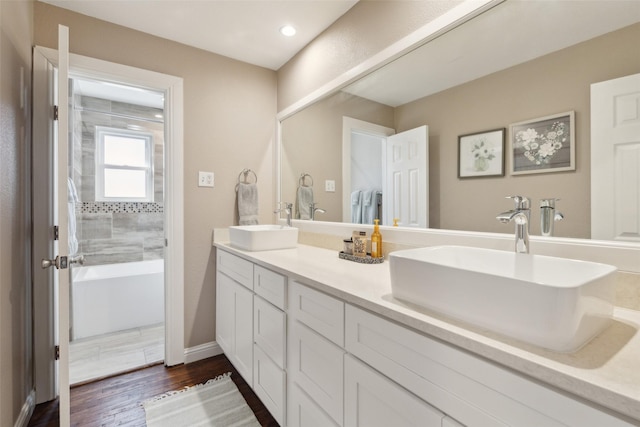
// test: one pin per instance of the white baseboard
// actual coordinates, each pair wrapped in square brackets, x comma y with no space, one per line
[27,410]
[202,351]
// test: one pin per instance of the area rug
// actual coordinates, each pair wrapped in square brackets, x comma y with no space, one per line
[214,403]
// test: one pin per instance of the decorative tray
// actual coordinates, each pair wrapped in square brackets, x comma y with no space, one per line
[362,260]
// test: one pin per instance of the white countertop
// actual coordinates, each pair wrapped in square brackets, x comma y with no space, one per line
[605,371]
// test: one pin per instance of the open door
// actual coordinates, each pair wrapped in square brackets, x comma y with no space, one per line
[615,159]
[406,188]
[51,295]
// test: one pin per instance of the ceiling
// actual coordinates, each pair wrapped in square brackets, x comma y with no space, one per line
[246,30]
[498,39]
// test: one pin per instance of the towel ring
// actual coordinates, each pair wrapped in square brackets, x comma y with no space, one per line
[246,173]
[302,179]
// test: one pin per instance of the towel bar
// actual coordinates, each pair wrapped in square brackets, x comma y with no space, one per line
[301,181]
[246,173]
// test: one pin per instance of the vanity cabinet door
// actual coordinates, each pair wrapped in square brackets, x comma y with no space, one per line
[302,411]
[234,324]
[269,383]
[373,400]
[316,366]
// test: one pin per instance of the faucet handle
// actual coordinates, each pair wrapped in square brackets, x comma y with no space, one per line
[521,202]
[548,203]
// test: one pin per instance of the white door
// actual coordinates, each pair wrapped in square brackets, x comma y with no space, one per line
[51,227]
[406,191]
[615,159]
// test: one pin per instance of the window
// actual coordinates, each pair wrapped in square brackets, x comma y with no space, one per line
[124,165]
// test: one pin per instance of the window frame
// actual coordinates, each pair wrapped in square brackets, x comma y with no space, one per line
[147,137]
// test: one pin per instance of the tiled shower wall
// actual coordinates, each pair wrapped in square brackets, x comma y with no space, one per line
[115,232]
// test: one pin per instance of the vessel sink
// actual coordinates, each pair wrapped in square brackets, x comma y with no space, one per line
[555,303]
[263,237]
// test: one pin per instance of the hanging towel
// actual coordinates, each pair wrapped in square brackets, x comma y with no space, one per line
[369,207]
[72,199]
[356,207]
[247,204]
[304,200]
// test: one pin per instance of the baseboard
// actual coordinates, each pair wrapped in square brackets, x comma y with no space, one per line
[202,351]
[27,410]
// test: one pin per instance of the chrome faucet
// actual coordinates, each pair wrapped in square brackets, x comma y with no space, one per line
[313,210]
[288,208]
[548,216]
[521,215]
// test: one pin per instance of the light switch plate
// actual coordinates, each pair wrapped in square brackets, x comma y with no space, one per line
[205,179]
[330,186]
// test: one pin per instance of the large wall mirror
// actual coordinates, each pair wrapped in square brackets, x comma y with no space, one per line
[516,62]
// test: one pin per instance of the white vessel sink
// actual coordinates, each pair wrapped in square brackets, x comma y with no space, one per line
[555,303]
[263,237]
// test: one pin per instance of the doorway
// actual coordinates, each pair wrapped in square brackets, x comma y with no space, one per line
[48,373]
[116,223]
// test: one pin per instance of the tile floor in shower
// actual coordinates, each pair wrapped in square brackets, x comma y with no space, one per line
[104,355]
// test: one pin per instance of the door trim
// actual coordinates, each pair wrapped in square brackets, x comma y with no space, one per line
[82,66]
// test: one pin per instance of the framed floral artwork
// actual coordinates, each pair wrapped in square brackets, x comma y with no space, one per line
[543,145]
[481,154]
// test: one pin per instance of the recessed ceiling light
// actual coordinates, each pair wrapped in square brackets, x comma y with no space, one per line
[288,31]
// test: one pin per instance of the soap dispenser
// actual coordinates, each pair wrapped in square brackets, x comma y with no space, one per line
[376,240]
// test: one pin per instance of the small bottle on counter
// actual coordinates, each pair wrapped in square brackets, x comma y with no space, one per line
[360,243]
[376,240]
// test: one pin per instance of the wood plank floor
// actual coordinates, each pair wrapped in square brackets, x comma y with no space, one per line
[116,401]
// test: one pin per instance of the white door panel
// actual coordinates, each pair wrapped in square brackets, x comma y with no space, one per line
[615,159]
[407,185]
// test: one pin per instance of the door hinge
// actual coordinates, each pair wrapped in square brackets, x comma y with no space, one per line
[56,232]
[57,352]
[55,112]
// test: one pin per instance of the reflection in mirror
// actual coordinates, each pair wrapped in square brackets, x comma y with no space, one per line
[492,71]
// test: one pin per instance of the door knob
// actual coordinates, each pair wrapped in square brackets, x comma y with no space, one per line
[78,259]
[59,262]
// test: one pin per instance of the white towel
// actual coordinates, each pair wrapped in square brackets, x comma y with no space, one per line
[247,204]
[72,199]
[356,207]
[304,202]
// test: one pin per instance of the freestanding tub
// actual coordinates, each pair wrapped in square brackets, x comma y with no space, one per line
[115,297]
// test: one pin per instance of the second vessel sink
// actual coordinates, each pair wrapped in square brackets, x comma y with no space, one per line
[263,237]
[556,303]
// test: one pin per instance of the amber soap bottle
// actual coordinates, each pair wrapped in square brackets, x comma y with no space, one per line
[376,240]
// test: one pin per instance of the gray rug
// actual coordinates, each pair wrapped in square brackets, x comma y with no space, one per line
[214,403]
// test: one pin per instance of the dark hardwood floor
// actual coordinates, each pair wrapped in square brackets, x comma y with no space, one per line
[116,401]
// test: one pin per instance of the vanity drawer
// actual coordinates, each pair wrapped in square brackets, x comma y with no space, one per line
[269,330]
[237,268]
[270,286]
[322,313]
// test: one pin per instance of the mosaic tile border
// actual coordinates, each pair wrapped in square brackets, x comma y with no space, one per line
[120,207]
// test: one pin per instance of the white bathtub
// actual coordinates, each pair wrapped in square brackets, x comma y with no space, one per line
[115,297]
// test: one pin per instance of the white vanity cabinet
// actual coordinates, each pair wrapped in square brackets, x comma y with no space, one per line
[251,326]
[234,313]
[269,334]
[315,368]
[471,390]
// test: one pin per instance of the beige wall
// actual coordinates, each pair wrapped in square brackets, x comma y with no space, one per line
[366,29]
[229,110]
[16,378]
[555,83]
[312,143]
